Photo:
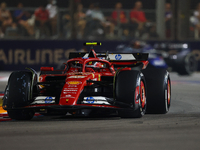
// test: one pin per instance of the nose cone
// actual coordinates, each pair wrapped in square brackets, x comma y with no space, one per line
[73,87]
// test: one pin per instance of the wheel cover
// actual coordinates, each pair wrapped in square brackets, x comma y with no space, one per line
[142,94]
[168,92]
[137,92]
[192,64]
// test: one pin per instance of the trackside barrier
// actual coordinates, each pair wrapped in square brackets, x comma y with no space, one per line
[19,54]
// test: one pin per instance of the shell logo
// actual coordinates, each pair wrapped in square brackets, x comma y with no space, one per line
[40,80]
[74,82]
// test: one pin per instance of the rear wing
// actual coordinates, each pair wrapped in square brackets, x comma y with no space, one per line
[114,57]
[129,60]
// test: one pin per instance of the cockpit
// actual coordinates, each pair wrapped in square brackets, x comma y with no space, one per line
[91,66]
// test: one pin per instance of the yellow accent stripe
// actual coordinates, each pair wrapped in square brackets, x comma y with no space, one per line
[1,101]
[99,77]
[92,43]
[1,109]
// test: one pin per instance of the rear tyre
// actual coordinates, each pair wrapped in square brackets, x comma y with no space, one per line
[186,65]
[21,114]
[131,89]
[159,90]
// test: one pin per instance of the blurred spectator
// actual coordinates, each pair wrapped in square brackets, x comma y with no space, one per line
[118,15]
[152,32]
[97,14]
[66,25]
[197,14]
[119,18]
[137,18]
[168,18]
[53,10]
[89,11]
[42,20]
[195,20]
[125,35]
[21,17]
[81,20]
[98,20]
[5,18]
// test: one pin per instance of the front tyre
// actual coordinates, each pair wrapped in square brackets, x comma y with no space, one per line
[131,89]
[141,100]
[19,91]
[167,95]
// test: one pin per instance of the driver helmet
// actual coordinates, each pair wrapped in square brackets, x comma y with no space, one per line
[94,64]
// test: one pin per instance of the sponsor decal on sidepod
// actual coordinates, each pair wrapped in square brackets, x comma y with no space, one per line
[77,77]
[74,82]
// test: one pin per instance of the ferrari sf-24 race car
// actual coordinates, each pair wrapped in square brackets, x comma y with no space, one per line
[91,83]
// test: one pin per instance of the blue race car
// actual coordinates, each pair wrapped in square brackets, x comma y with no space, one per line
[177,56]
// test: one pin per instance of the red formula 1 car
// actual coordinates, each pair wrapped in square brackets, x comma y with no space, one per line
[91,83]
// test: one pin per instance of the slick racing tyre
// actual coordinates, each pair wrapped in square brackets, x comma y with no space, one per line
[21,114]
[185,64]
[159,90]
[131,89]
[19,90]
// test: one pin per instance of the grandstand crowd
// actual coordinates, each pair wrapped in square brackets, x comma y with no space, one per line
[46,21]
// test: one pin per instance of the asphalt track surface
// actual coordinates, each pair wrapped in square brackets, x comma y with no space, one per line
[177,130]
